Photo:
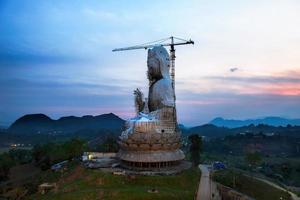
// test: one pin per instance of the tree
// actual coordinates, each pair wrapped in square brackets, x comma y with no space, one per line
[74,148]
[195,148]
[21,156]
[109,145]
[253,158]
[51,153]
[40,153]
[6,162]
[12,158]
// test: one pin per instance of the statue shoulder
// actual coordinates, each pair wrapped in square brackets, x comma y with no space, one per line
[163,84]
[164,92]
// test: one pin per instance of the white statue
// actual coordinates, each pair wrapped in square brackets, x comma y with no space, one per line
[152,137]
[161,93]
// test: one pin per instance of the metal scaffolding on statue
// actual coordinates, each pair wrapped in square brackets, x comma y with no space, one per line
[151,140]
[173,41]
[162,42]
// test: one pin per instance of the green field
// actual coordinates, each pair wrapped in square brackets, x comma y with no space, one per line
[6,149]
[81,183]
[279,169]
[249,185]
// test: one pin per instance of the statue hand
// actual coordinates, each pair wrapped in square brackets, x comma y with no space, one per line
[139,103]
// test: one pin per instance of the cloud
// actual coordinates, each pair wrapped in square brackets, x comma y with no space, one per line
[233,69]
[15,58]
[25,88]
[258,79]
[285,83]
[101,15]
[203,107]
[57,56]
[21,96]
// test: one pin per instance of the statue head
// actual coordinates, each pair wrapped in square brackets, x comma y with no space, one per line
[158,63]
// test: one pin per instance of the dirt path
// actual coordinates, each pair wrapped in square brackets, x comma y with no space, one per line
[204,192]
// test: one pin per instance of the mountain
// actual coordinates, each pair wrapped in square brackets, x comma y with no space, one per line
[40,123]
[210,130]
[272,121]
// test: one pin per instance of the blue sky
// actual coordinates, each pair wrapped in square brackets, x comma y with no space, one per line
[55,57]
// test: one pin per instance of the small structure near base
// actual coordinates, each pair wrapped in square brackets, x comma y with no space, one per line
[59,166]
[218,165]
[153,190]
[96,160]
[46,187]
[119,173]
[97,155]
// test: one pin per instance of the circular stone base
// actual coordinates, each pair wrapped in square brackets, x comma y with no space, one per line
[167,171]
[150,156]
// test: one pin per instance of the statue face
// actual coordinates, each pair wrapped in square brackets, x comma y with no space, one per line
[154,72]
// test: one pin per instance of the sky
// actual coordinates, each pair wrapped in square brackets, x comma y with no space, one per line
[56,58]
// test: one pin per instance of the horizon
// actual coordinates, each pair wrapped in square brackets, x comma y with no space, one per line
[6,125]
[56,58]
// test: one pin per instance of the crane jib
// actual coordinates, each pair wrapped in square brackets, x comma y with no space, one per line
[153,45]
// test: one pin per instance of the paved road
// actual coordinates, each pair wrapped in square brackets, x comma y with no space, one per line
[204,192]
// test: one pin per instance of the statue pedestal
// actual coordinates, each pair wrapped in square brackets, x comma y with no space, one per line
[151,145]
[150,159]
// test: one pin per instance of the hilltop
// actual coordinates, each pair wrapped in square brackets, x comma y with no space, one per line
[41,124]
[272,121]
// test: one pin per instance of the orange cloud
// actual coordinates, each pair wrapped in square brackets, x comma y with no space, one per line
[284,83]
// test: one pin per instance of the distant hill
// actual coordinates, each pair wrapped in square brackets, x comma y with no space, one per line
[209,130]
[40,123]
[212,131]
[272,121]
[97,126]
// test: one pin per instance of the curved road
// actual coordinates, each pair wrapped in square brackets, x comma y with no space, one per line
[204,192]
[293,195]
[204,189]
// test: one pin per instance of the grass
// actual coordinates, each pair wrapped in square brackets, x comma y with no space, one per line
[6,149]
[249,186]
[81,183]
[281,169]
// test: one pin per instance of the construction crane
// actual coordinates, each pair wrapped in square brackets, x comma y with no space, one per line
[162,42]
[167,42]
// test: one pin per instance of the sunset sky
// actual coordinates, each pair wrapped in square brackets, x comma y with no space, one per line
[56,58]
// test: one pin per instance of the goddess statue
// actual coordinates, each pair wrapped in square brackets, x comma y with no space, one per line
[152,135]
